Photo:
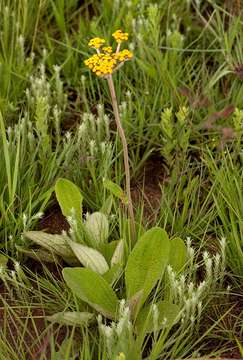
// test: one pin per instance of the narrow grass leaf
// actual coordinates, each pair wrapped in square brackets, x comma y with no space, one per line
[6,156]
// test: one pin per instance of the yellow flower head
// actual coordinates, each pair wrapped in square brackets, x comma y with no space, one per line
[96,42]
[107,49]
[123,55]
[120,36]
[121,356]
[101,64]
[106,61]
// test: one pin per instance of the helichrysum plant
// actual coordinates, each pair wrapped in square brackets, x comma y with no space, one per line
[104,63]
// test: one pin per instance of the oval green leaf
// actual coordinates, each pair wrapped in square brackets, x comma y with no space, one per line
[118,254]
[113,274]
[89,257]
[69,197]
[147,262]
[116,190]
[168,315]
[97,227]
[108,250]
[71,318]
[54,243]
[92,289]
[178,254]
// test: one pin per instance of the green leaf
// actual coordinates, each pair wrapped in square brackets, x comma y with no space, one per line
[39,254]
[167,317]
[93,289]
[113,274]
[147,68]
[54,243]
[68,349]
[6,158]
[3,261]
[240,346]
[71,318]
[134,301]
[69,197]
[118,254]
[178,254]
[116,190]
[222,71]
[108,250]
[89,257]
[97,227]
[147,262]
[107,205]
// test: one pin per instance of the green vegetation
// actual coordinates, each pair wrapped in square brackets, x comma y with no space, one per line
[104,254]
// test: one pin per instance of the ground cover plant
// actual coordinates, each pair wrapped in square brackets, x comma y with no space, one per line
[121,199]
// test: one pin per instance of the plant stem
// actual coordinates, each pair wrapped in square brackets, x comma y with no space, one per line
[125,154]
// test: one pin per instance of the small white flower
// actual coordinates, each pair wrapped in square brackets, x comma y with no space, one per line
[57,68]
[83,79]
[25,219]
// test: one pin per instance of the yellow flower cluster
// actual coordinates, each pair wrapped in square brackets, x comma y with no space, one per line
[105,61]
[107,49]
[120,36]
[96,42]
[101,64]
[123,55]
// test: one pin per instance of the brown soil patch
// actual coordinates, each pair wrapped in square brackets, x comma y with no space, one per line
[53,221]
[25,330]
[207,358]
[146,189]
[227,330]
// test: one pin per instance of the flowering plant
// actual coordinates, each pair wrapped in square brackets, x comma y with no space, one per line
[103,64]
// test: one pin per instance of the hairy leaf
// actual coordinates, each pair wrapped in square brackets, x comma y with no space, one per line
[167,316]
[178,254]
[97,227]
[93,289]
[71,318]
[69,197]
[147,262]
[89,257]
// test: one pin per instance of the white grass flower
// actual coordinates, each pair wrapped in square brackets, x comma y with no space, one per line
[25,219]
[155,314]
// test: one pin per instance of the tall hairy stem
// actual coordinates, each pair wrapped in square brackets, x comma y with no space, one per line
[125,154]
